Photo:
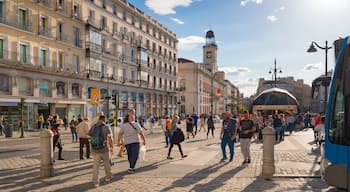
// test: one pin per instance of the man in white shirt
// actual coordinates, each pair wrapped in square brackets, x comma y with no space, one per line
[83,129]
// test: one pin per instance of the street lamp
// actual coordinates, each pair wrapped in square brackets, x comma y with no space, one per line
[107,98]
[312,49]
[275,70]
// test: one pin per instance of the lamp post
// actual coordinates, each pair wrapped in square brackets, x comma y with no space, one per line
[107,98]
[21,121]
[275,70]
[312,49]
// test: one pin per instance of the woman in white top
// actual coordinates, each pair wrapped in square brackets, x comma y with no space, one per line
[131,131]
[320,130]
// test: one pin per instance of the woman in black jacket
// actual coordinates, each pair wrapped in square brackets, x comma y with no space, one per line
[176,137]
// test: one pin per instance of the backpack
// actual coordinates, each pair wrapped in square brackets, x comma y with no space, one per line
[97,139]
[178,136]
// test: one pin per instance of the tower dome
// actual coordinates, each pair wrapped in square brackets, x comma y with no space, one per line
[210,38]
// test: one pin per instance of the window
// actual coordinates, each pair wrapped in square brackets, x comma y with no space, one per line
[124,15]
[60,87]
[43,57]
[59,31]
[1,11]
[95,38]
[115,28]
[103,22]
[43,29]
[76,37]
[75,10]
[4,85]
[133,77]
[114,9]
[104,4]
[1,48]
[44,88]
[133,20]
[124,75]
[60,4]
[75,90]
[91,15]
[76,64]
[23,22]
[23,57]
[60,61]
[24,86]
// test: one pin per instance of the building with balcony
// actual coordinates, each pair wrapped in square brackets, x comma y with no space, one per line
[131,55]
[41,59]
[54,52]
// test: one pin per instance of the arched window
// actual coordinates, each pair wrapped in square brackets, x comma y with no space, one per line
[61,89]
[4,83]
[75,90]
[24,86]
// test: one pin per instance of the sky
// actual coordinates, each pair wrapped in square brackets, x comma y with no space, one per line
[251,34]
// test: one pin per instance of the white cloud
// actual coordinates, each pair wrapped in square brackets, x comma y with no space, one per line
[247,86]
[176,20]
[282,8]
[235,70]
[162,7]
[190,42]
[244,2]
[272,18]
[313,66]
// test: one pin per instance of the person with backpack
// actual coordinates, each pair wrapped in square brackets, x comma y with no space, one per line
[130,131]
[247,130]
[101,144]
[176,137]
[227,135]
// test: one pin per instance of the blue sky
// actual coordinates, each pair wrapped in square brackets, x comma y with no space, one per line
[251,33]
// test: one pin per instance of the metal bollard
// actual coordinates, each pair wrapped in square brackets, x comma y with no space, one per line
[268,167]
[46,153]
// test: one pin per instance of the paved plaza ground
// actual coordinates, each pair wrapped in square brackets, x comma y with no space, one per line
[296,161]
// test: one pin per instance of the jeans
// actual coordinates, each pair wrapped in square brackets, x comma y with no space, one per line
[212,131]
[133,150]
[74,136]
[229,142]
[84,142]
[97,157]
[167,137]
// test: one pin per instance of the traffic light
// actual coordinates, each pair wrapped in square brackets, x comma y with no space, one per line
[114,99]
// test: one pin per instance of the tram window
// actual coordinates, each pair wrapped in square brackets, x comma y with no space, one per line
[337,130]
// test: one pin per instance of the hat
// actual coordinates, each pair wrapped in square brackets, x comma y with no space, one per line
[59,122]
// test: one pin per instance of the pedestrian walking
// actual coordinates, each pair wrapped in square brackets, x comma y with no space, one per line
[41,121]
[189,127]
[320,131]
[291,120]
[195,122]
[152,121]
[202,123]
[102,146]
[166,126]
[277,125]
[65,121]
[57,142]
[211,126]
[227,135]
[83,129]
[247,130]
[131,131]
[176,137]
[73,129]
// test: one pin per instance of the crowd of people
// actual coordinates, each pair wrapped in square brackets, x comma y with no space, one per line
[97,136]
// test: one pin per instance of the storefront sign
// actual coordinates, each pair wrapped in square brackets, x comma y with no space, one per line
[95,96]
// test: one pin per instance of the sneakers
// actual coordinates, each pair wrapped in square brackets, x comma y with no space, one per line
[169,157]
[131,170]
[223,159]
[108,179]
[248,161]
[183,156]
[60,158]
[96,185]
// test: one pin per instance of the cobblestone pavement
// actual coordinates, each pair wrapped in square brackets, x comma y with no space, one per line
[295,160]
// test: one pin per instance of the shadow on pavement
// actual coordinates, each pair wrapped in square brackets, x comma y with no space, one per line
[194,177]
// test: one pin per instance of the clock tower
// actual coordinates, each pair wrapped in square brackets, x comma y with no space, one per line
[210,52]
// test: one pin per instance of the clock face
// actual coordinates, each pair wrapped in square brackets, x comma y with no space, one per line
[209,55]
